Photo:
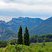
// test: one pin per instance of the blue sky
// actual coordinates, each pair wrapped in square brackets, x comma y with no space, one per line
[32,8]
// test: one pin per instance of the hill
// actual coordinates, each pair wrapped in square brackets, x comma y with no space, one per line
[37,26]
[5,32]
[44,28]
[29,22]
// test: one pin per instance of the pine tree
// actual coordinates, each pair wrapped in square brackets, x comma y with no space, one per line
[20,41]
[26,37]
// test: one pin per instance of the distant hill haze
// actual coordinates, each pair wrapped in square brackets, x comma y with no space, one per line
[29,22]
[35,26]
[44,28]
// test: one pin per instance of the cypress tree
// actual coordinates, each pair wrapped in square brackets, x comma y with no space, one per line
[20,41]
[26,37]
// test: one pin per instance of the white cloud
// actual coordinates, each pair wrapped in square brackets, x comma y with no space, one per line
[9,18]
[5,18]
[26,7]
[37,6]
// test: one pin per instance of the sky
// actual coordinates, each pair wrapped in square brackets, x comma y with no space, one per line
[32,8]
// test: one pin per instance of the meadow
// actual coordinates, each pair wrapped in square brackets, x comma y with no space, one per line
[34,47]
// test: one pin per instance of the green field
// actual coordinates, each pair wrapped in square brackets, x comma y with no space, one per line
[35,47]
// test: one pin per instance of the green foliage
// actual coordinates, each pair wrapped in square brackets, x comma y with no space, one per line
[9,48]
[20,41]
[26,37]
[13,42]
[3,43]
[41,38]
[22,48]
[37,47]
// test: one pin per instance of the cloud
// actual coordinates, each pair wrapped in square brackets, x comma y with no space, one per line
[39,8]
[6,18]
[30,1]
[25,7]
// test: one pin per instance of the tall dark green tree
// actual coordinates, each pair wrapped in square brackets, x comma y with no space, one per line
[26,37]
[20,41]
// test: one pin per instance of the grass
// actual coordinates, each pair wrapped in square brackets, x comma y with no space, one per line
[35,47]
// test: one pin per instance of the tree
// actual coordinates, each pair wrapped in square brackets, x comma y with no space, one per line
[26,37]
[20,41]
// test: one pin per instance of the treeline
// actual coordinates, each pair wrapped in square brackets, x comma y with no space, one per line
[25,39]
[41,38]
[21,39]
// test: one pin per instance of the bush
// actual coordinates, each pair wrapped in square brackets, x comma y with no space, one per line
[13,42]
[3,44]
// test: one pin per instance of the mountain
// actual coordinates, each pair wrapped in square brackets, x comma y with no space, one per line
[5,32]
[37,26]
[29,22]
[44,28]
[9,30]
